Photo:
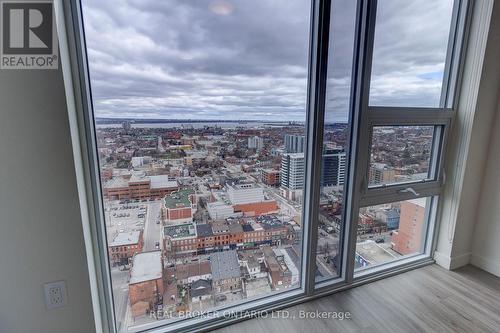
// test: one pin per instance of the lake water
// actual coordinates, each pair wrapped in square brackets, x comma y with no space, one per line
[198,125]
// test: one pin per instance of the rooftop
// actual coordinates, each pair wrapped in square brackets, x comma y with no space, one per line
[178,199]
[201,288]
[126,238]
[419,202]
[185,271]
[204,230]
[225,265]
[241,187]
[247,227]
[146,266]
[116,182]
[162,181]
[373,253]
[180,230]
[295,155]
[139,177]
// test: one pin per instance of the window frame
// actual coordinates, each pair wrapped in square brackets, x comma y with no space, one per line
[369,116]
[74,65]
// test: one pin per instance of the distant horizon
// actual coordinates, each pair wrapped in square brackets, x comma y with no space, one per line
[179,120]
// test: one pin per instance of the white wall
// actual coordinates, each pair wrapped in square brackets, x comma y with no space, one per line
[486,243]
[468,150]
[41,237]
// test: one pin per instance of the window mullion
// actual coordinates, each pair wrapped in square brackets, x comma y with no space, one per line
[455,53]
[363,55]
[318,68]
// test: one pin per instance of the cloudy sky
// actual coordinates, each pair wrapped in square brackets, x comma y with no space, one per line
[247,59]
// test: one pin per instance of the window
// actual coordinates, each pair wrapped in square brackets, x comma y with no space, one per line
[391,231]
[401,154]
[335,141]
[414,75]
[213,63]
[252,153]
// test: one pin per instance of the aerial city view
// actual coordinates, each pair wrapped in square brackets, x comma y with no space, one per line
[201,214]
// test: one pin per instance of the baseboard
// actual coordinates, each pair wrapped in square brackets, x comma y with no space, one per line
[489,265]
[442,260]
[451,263]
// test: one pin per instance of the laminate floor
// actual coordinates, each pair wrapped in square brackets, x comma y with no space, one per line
[428,299]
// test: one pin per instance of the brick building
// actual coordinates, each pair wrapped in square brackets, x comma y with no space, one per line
[124,246]
[226,275]
[190,272]
[179,206]
[270,177]
[179,240]
[146,282]
[138,187]
[278,271]
[257,208]
[408,238]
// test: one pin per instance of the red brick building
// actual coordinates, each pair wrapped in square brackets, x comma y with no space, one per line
[408,238]
[270,177]
[179,240]
[146,282]
[257,208]
[124,246]
[139,187]
[179,206]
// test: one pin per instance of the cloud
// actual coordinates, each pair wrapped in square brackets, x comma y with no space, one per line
[240,59]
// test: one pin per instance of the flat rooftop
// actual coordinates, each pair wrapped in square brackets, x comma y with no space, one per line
[295,155]
[180,230]
[178,199]
[126,238]
[241,186]
[204,230]
[162,181]
[116,182]
[139,177]
[373,253]
[146,266]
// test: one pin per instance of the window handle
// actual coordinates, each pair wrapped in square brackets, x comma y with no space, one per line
[409,190]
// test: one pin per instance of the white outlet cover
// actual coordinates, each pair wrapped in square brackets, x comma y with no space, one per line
[55,294]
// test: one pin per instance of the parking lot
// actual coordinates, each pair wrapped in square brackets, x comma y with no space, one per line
[124,217]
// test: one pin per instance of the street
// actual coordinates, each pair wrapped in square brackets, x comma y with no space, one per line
[120,295]
[152,229]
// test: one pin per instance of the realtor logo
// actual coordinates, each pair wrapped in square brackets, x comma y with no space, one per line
[28,35]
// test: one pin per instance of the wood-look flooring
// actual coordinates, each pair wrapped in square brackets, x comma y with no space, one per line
[428,299]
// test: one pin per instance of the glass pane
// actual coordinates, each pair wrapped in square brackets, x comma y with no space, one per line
[197,104]
[411,39]
[336,132]
[400,154]
[391,231]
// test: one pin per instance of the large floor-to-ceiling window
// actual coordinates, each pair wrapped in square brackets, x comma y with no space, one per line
[245,154]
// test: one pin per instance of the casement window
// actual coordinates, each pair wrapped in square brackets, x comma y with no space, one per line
[349,102]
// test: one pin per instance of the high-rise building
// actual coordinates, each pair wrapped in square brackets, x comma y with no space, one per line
[294,143]
[255,142]
[333,166]
[381,173]
[126,126]
[408,238]
[292,171]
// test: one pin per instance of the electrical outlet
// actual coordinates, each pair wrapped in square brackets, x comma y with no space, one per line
[55,294]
